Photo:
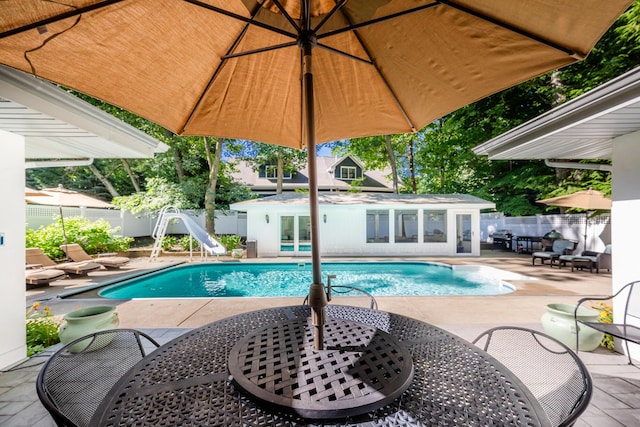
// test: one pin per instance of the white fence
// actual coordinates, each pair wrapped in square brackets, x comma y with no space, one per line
[571,226]
[132,225]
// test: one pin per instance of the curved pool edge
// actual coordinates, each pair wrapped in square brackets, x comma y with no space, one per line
[117,280]
[489,274]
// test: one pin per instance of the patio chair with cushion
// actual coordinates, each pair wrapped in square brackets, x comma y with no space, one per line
[553,373]
[36,256]
[76,253]
[42,276]
[558,248]
[588,259]
[628,329]
[73,382]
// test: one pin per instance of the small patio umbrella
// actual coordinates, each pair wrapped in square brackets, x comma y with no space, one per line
[297,72]
[589,200]
[60,196]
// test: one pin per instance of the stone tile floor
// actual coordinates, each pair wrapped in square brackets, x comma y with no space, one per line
[616,398]
[615,402]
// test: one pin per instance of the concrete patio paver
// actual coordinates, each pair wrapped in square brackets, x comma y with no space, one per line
[616,400]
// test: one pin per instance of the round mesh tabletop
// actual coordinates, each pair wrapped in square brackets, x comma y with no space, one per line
[361,368]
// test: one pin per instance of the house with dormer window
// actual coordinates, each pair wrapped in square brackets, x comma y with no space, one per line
[335,174]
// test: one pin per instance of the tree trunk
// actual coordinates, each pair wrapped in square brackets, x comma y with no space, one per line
[392,162]
[177,159]
[132,177]
[103,179]
[279,172]
[412,168]
[210,195]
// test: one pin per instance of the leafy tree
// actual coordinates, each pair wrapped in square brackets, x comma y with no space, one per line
[159,193]
[285,159]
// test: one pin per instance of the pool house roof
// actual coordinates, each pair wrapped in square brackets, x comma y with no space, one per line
[350,199]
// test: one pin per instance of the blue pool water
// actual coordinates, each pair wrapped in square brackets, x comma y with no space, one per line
[293,279]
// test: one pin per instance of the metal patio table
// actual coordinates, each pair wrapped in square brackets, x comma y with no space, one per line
[192,380]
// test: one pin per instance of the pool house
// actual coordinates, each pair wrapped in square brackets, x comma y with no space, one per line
[366,224]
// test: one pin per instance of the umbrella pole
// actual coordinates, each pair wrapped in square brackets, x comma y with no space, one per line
[317,294]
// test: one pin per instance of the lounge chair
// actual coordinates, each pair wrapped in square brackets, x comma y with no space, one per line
[77,254]
[36,256]
[588,259]
[43,276]
[558,248]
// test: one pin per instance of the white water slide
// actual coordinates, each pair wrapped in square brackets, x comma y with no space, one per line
[168,213]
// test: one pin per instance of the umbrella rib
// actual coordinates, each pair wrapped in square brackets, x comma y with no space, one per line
[343,53]
[57,18]
[288,17]
[371,61]
[241,34]
[353,27]
[512,28]
[336,8]
[249,21]
[260,50]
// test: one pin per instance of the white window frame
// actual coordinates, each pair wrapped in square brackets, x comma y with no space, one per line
[343,169]
[274,170]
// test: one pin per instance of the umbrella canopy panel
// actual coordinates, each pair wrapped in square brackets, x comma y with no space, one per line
[63,197]
[233,68]
[590,200]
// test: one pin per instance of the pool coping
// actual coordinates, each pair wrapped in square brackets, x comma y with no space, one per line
[454,267]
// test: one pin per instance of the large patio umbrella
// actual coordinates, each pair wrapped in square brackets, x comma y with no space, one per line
[590,200]
[244,68]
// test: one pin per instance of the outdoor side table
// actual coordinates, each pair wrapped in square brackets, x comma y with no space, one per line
[581,263]
[188,381]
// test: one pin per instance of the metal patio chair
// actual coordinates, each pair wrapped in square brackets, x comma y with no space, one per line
[554,374]
[627,330]
[73,382]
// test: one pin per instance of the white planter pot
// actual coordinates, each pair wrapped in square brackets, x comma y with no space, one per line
[558,321]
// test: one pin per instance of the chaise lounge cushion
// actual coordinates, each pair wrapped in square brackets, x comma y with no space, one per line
[37,256]
[76,253]
[599,260]
[43,276]
[559,247]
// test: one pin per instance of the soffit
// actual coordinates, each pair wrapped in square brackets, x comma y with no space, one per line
[58,125]
[583,128]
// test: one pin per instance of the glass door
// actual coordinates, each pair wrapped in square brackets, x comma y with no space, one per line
[287,234]
[304,234]
[463,233]
[295,234]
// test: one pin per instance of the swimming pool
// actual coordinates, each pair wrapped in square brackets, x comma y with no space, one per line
[243,279]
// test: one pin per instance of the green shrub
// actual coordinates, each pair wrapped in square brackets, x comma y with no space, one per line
[42,329]
[168,242]
[229,241]
[184,243]
[95,237]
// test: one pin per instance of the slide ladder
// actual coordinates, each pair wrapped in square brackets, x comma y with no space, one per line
[208,245]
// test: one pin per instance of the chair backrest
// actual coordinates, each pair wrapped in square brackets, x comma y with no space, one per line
[552,372]
[560,245]
[75,252]
[338,290]
[37,256]
[632,306]
[74,381]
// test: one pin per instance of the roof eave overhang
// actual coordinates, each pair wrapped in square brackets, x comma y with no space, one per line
[525,141]
[42,96]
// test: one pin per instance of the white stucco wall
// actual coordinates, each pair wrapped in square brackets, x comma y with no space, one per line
[12,226]
[625,214]
[344,233]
